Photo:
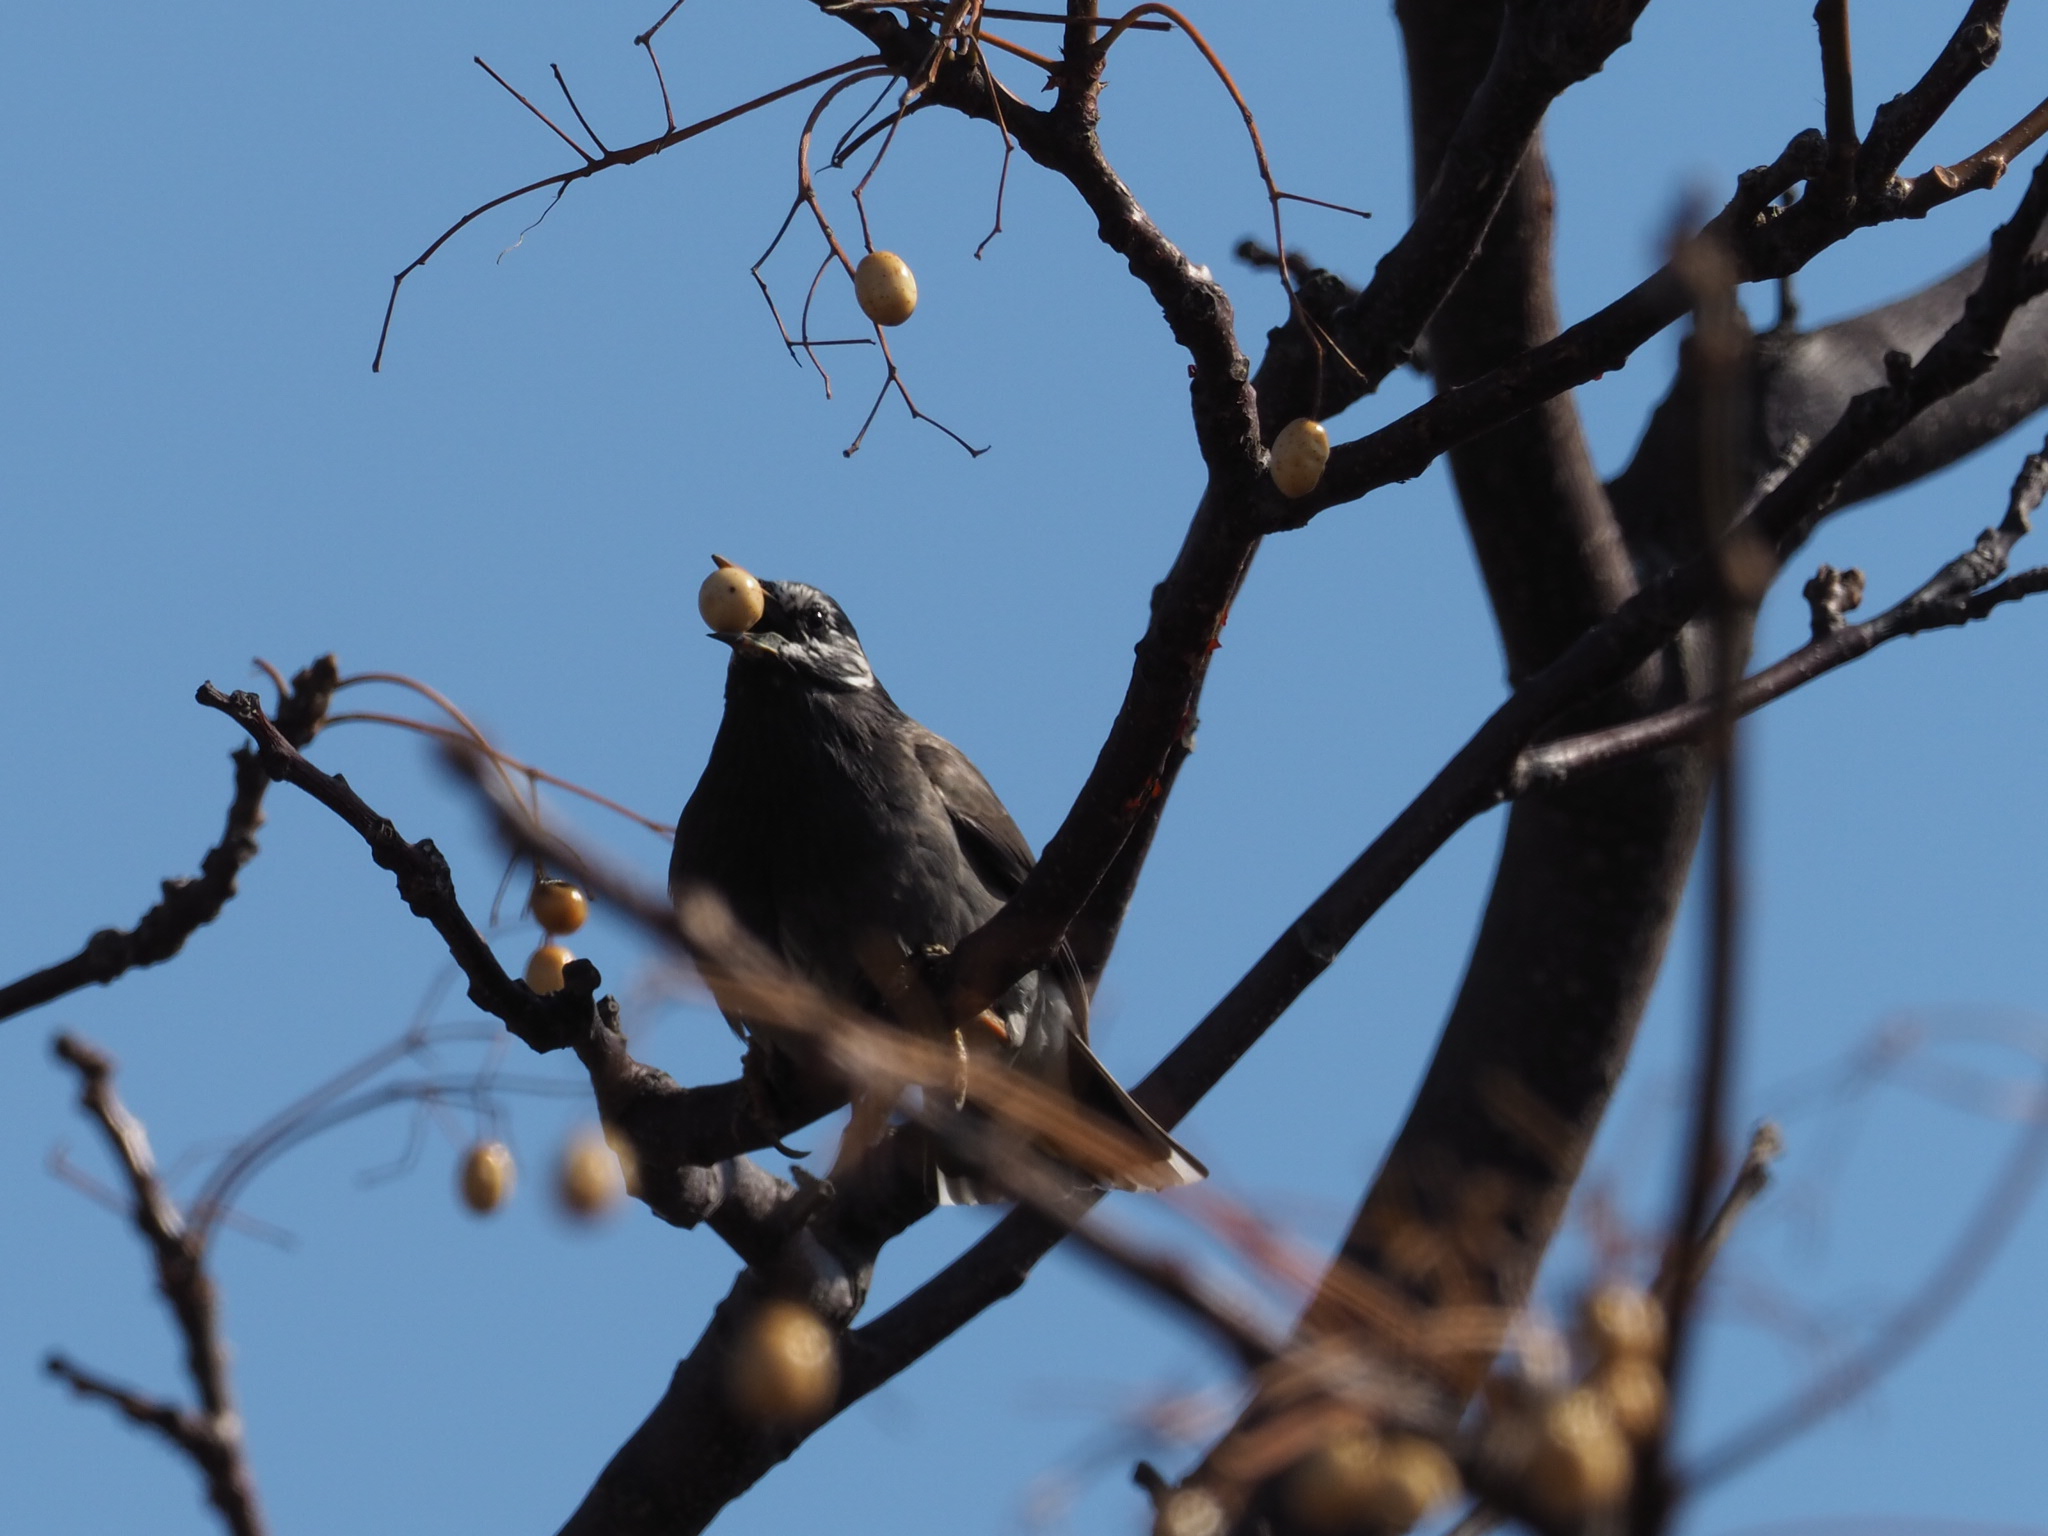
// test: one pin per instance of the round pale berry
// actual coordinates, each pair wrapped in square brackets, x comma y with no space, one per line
[544,968]
[886,288]
[487,1176]
[559,906]
[1299,454]
[1624,1320]
[731,600]
[1635,1392]
[588,1180]
[785,1365]
[1581,1461]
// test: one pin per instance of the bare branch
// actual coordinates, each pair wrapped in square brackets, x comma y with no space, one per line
[674,1130]
[632,154]
[188,905]
[211,1435]
[1543,51]
[1466,786]
[1961,592]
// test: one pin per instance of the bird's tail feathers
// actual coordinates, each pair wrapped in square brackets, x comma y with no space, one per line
[1166,1164]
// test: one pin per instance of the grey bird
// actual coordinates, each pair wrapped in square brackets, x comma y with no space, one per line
[831,822]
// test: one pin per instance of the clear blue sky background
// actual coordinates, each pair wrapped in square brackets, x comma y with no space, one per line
[205,204]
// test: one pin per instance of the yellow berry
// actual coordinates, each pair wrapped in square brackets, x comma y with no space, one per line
[731,600]
[1358,1482]
[1190,1512]
[559,906]
[588,1180]
[487,1176]
[1299,454]
[1328,1489]
[1634,1390]
[1414,1476]
[1624,1320]
[628,1158]
[785,1365]
[1581,1460]
[886,288]
[544,968]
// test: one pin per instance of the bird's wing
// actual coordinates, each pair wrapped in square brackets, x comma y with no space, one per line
[993,843]
[990,839]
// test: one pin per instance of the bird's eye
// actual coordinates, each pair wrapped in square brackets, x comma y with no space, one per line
[817,617]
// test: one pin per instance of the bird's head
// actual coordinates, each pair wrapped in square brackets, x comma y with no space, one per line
[800,629]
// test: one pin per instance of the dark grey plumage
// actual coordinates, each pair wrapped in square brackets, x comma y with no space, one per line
[831,822]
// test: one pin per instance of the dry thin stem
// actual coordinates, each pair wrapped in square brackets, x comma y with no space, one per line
[506,760]
[602,148]
[588,157]
[630,155]
[1318,334]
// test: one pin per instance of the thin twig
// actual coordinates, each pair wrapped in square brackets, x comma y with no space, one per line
[1983,1235]
[602,149]
[1963,591]
[188,904]
[632,154]
[588,157]
[210,1435]
[1766,1146]
[507,760]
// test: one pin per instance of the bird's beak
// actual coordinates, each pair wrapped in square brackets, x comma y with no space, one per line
[747,643]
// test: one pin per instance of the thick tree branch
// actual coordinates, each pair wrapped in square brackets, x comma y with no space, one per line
[190,904]
[210,1435]
[1542,51]
[1468,784]
[1803,381]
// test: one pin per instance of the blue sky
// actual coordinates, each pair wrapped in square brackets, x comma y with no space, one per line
[197,466]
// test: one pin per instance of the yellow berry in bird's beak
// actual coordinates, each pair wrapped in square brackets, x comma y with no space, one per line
[785,1365]
[559,906]
[544,968]
[885,287]
[1299,454]
[731,601]
[487,1176]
